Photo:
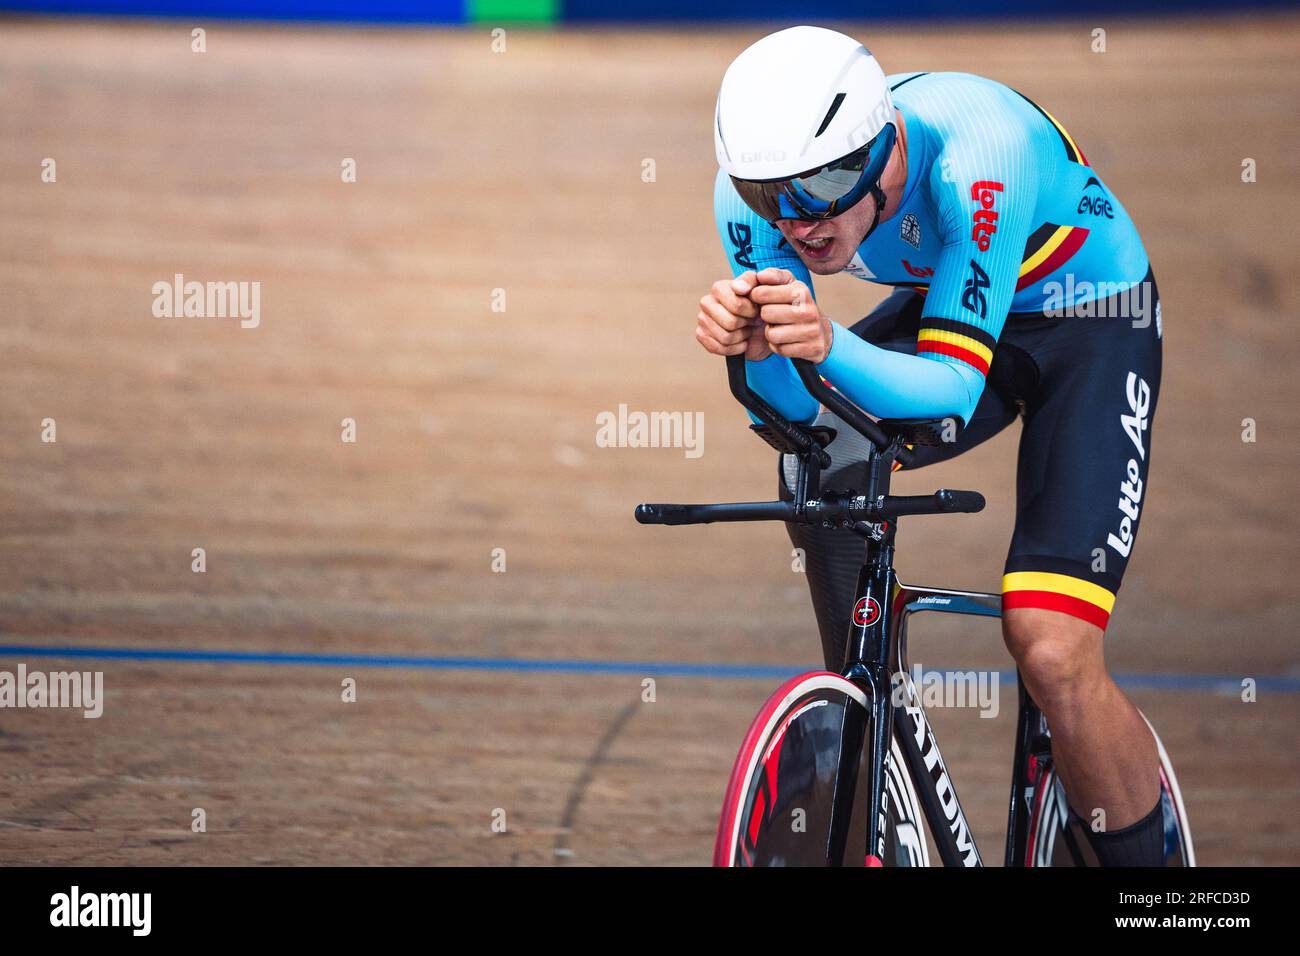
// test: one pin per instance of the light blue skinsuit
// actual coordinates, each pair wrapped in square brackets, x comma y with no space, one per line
[999,205]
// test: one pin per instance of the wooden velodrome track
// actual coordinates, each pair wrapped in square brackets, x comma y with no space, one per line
[522,171]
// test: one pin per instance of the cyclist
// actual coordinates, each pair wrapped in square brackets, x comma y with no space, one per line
[1022,289]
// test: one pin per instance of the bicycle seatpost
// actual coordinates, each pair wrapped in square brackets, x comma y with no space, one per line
[849,413]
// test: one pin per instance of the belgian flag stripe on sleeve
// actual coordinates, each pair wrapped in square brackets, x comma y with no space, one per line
[958,340]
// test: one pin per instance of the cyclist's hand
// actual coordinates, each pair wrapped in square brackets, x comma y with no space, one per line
[794,325]
[728,322]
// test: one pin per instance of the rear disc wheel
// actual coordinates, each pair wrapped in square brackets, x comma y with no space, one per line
[1056,837]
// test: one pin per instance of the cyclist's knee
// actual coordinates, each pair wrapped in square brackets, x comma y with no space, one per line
[1059,656]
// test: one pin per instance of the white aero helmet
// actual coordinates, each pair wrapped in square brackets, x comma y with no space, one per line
[805,125]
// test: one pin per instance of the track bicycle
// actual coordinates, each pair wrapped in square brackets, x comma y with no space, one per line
[841,769]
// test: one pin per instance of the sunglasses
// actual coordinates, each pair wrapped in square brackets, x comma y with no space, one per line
[822,193]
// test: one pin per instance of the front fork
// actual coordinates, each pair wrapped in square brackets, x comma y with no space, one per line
[876,648]
[867,665]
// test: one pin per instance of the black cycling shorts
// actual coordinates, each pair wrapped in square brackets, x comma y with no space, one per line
[1085,385]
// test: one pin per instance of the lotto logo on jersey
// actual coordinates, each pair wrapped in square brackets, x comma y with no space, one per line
[985,217]
[742,238]
[921,272]
[866,612]
[972,293]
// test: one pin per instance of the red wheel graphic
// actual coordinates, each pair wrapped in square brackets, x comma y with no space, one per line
[777,808]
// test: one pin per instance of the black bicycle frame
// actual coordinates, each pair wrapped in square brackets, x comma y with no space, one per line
[876,650]
[876,660]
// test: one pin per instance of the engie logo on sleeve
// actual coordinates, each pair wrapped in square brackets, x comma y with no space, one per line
[103,909]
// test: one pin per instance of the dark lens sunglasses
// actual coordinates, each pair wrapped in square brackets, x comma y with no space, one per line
[822,193]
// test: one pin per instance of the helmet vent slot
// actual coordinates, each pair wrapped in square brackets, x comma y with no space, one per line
[830,114]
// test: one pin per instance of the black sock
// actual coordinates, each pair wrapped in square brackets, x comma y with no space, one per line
[1141,844]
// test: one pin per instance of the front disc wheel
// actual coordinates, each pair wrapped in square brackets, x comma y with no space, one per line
[781,808]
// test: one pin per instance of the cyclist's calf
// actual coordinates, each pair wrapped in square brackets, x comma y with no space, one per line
[1102,747]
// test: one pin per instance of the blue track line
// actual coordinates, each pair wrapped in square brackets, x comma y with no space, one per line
[1216,683]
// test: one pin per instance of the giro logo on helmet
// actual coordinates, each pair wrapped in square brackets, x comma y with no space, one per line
[882,112]
[774,156]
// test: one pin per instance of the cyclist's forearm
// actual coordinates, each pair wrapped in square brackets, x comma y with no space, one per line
[777,383]
[896,385]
